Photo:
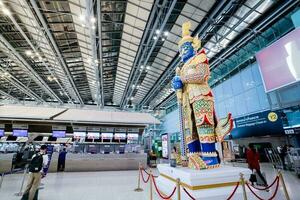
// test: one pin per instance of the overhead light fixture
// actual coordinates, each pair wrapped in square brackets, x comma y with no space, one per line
[133,86]
[83,25]
[157,31]
[82,17]
[93,27]
[28,52]
[166,33]
[163,39]
[37,54]
[6,11]
[155,37]
[131,98]
[142,67]
[50,78]
[96,61]
[148,67]
[93,19]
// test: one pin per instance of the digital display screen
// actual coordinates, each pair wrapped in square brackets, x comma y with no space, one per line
[279,62]
[107,135]
[121,136]
[59,134]
[93,135]
[164,144]
[133,136]
[1,132]
[79,134]
[20,133]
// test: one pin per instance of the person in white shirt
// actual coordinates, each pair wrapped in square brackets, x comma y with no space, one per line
[35,172]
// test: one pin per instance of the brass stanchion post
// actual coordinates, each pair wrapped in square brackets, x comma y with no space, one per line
[283,185]
[242,179]
[151,192]
[139,189]
[178,189]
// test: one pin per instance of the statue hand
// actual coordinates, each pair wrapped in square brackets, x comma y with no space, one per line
[177,83]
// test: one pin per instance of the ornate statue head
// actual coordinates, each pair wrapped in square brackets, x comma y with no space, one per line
[188,46]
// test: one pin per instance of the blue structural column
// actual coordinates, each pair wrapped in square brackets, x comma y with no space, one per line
[296,18]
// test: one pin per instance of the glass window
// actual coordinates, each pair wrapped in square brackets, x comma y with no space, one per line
[252,101]
[263,99]
[256,74]
[241,107]
[247,79]
[236,84]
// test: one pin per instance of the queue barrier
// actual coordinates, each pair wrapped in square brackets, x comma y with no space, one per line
[241,182]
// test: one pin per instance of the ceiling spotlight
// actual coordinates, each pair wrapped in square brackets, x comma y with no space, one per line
[166,33]
[157,31]
[28,52]
[131,98]
[148,67]
[50,78]
[93,19]
[82,17]
[155,37]
[93,27]
[6,11]
[142,67]
[133,86]
[89,60]
[83,25]
[138,86]
[37,54]
[96,61]
[163,39]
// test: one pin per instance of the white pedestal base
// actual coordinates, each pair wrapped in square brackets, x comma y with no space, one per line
[197,181]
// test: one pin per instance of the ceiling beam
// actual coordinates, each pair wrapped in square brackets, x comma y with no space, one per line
[8,95]
[23,63]
[56,49]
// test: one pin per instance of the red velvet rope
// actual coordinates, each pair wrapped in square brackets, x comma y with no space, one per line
[145,181]
[268,187]
[148,173]
[188,194]
[272,197]
[234,190]
[157,190]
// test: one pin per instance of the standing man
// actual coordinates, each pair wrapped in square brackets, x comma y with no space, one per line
[61,160]
[35,172]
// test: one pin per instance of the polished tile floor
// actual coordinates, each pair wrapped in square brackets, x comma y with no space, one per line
[110,185]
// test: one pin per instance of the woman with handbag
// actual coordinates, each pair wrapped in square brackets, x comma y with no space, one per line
[253,164]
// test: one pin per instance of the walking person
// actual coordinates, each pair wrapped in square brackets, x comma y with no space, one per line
[283,154]
[61,160]
[35,173]
[253,163]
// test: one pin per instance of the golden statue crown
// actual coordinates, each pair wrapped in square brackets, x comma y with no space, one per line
[186,36]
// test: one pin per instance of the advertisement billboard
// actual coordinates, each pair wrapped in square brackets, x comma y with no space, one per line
[79,134]
[164,145]
[279,63]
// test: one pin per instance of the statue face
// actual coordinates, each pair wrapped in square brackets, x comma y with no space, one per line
[186,51]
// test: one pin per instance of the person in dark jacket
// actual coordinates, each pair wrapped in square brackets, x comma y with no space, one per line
[61,160]
[253,162]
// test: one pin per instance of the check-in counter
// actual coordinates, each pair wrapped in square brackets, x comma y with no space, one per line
[99,162]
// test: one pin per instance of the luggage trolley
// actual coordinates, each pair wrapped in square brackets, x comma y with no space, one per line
[274,158]
[294,155]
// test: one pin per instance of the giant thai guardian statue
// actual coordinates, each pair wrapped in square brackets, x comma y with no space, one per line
[201,128]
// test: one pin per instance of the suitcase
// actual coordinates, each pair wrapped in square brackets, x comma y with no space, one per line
[26,195]
[259,181]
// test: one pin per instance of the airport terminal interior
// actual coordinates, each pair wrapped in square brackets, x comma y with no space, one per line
[149,99]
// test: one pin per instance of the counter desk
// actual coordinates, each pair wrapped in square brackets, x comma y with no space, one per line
[99,162]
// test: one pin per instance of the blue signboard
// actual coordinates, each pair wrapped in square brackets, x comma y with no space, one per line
[259,124]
